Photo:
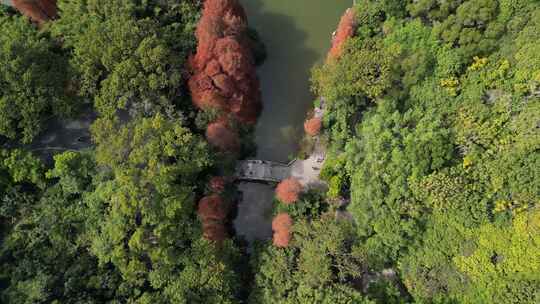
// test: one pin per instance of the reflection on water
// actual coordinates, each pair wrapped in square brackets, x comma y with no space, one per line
[297,35]
[254,220]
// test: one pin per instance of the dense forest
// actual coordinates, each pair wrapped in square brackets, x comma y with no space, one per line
[431,126]
[434,132]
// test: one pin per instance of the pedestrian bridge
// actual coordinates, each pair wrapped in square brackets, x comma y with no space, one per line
[305,171]
[263,171]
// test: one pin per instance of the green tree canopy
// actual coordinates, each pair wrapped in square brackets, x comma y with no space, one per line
[447,149]
[128,55]
[143,219]
[34,79]
[317,267]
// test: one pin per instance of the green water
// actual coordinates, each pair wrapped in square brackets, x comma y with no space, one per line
[297,34]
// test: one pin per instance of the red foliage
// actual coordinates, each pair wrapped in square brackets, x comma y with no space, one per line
[223,68]
[215,231]
[281,239]
[313,126]
[345,30]
[288,191]
[282,222]
[217,184]
[213,68]
[213,213]
[281,225]
[234,58]
[224,84]
[209,99]
[221,135]
[38,11]
[212,208]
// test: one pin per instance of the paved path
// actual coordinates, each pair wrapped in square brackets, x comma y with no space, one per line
[59,135]
[307,171]
[62,135]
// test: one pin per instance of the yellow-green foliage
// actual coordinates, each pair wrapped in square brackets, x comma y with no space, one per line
[478,63]
[451,85]
[314,268]
[528,56]
[115,223]
[363,69]
[33,78]
[505,267]
[335,186]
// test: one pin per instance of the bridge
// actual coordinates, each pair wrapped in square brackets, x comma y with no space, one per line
[263,171]
[305,171]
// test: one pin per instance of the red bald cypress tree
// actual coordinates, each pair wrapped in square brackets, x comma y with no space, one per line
[39,11]
[221,135]
[223,69]
[223,78]
[215,231]
[281,239]
[345,30]
[282,225]
[212,208]
[213,212]
[288,191]
[217,184]
[313,126]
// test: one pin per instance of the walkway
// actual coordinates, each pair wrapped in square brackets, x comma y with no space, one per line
[60,135]
[263,171]
[306,171]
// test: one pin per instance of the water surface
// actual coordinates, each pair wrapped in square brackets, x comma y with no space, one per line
[297,34]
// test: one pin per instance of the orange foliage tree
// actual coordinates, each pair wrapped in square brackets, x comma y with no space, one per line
[213,213]
[212,208]
[281,225]
[345,30]
[217,184]
[313,126]
[215,231]
[223,69]
[288,191]
[221,135]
